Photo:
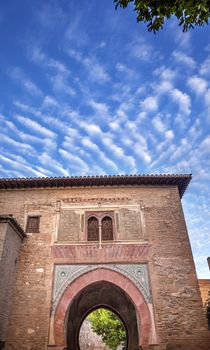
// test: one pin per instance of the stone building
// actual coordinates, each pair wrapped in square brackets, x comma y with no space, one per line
[204,285]
[71,245]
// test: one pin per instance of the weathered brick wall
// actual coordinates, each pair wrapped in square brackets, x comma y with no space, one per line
[173,278]
[28,328]
[174,285]
[204,285]
[10,243]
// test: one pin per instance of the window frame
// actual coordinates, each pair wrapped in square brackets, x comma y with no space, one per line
[31,229]
[107,240]
[92,216]
[100,215]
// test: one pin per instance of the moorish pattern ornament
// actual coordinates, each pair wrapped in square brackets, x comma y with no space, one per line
[66,274]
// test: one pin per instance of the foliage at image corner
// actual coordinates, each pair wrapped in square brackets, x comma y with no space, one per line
[106,324]
[190,13]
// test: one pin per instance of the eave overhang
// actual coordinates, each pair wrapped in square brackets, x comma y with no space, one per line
[179,180]
[14,223]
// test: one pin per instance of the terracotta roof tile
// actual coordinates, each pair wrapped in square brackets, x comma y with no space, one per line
[180,180]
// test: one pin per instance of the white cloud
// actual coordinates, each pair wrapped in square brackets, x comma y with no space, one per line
[90,128]
[142,116]
[75,162]
[32,125]
[22,147]
[119,153]
[169,135]
[39,57]
[142,152]
[182,58]
[95,148]
[60,77]
[158,124]
[96,70]
[49,162]
[60,84]
[205,146]
[46,143]
[183,39]
[182,99]
[49,101]
[197,84]
[163,157]
[31,87]
[126,71]
[21,164]
[99,108]
[163,87]
[165,73]
[28,85]
[76,34]
[205,67]
[136,141]
[77,55]
[57,65]
[150,104]
[195,130]
[141,50]
[114,125]
[184,147]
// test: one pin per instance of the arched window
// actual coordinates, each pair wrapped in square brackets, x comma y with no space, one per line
[93,229]
[107,229]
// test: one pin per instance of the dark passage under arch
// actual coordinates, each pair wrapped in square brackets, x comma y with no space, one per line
[101,294]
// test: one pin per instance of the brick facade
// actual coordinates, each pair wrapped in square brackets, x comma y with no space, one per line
[149,229]
[204,285]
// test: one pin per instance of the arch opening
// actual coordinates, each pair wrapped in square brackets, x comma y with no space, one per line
[103,329]
[96,296]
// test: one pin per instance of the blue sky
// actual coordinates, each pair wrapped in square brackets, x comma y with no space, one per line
[85,90]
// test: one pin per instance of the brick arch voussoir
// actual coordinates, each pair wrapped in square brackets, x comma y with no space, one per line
[99,275]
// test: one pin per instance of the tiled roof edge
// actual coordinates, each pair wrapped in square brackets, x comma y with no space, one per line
[180,180]
[14,223]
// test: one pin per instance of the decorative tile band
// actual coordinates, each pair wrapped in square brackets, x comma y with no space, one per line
[66,274]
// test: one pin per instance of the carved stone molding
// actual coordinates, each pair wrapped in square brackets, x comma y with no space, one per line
[94,200]
[66,274]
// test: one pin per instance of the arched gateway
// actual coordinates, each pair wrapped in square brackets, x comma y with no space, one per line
[102,287]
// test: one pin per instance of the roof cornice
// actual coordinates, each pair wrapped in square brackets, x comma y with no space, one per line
[180,180]
[13,222]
